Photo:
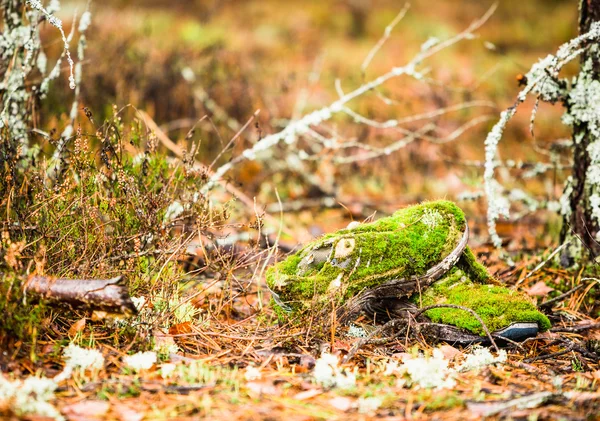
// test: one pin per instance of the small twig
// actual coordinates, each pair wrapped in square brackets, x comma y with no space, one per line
[473,313]
[560,297]
[360,343]
[541,265]
[552,355]
[383,39]
[510,341]
[576,329]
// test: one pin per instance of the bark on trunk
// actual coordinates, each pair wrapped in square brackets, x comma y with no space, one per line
[581,200]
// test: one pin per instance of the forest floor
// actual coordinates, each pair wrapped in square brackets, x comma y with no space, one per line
[245,366]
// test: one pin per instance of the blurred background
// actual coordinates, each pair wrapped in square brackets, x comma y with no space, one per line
[181,60]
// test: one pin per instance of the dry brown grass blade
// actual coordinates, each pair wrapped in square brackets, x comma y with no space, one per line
[178,151]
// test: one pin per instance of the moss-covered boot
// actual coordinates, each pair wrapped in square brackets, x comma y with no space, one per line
[414,258]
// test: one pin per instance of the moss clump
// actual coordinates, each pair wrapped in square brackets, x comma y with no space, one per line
[497,306]
[339,265]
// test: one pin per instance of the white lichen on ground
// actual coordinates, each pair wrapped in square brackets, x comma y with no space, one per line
[140,361]
[369,405]
[30,396]
[481,357]
[167,370]
[434,371]
[83,358]
[328,374]
[252,373]
[356,332]
[430,372]
[80,359]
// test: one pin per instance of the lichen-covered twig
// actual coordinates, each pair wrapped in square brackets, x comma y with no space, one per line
[303,125]
[542,82]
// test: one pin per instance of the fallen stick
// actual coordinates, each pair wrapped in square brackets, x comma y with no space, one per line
[576,328]
[556,299]
[109,295]
[179,152]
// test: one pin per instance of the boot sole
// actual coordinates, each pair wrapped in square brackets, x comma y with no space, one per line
[516,332]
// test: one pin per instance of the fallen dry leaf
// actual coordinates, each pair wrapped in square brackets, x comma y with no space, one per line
[307,394]
[342,403]
[77,327]
[539,289]
[86,410]
[181,328]
[125,413]
[449,352]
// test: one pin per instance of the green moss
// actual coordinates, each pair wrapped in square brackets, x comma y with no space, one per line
[497,306]
[339,265]
[342,264]
[477,272]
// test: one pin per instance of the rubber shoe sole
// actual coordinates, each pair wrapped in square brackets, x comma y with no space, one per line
[516,332]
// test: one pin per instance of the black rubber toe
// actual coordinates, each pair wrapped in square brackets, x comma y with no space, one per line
[518,332]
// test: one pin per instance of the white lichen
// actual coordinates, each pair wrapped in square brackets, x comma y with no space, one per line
[30,396]
[174,210]
[430,372]
[328,374]
[369,405]
[434,371]
[138,302]
[252,373]
[79,359]
[140,361]
[431,218]
[481,357]
[356,332]
[548,88]
[164,349]
[167,370]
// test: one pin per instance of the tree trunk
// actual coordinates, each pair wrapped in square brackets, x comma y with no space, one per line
[581,200]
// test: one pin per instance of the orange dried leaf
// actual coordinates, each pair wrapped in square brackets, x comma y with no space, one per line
[181,328]
[539,289]
[77,327]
